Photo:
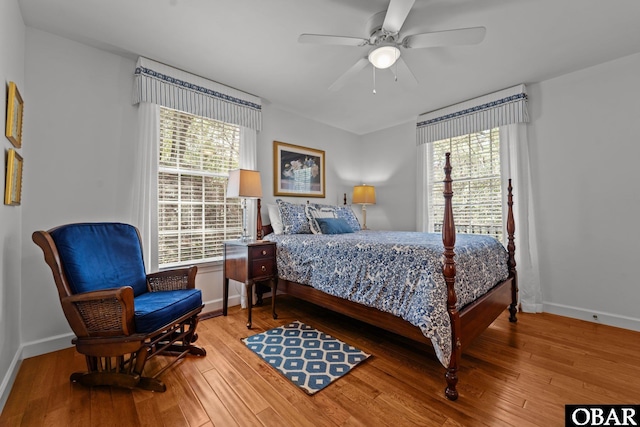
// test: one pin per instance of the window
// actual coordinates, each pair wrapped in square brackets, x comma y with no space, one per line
[477,199]
[194,215]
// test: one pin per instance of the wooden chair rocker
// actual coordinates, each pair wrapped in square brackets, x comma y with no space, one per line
[120,315]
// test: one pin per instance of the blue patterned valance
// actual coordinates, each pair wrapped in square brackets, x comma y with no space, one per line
[500,108]
[167,86]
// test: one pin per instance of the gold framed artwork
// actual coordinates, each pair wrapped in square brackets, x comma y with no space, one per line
[298,171]
[15,107]
[13,186]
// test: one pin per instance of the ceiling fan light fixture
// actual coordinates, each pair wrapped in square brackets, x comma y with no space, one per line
[384,56]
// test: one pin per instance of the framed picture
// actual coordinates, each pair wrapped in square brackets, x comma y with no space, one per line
[13,187]
[297,171]
[15,107]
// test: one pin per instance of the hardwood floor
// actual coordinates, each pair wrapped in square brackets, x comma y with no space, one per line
[512,375]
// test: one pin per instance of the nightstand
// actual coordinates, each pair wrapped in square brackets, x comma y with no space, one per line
[250,262]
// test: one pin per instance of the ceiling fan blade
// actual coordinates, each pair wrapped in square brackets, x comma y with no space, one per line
[445,38]
[333,40]
[396,15]
[351,72]
[404,74]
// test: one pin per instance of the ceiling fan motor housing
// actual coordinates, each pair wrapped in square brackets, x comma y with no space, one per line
[376,34]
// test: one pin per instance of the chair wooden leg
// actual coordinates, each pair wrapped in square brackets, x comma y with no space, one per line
[91,379]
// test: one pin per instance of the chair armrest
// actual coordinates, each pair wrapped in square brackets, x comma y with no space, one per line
[107,312]
[171,280]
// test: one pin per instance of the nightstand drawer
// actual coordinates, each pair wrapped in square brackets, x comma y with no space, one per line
[262,251]
[262,267]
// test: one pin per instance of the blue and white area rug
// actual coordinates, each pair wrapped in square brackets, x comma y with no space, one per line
[307,357]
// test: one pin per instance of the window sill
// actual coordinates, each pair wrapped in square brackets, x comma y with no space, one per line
[208,266]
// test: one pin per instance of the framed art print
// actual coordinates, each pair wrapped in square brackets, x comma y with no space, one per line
[13,186]
[297,171]
[15,107]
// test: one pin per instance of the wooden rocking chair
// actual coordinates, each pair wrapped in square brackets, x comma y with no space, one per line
[120,315]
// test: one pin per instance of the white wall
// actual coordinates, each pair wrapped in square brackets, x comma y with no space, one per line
[12,46]
[82,131]
[343,158]
[80,125]
[584,147]
[389,162]
[585,152]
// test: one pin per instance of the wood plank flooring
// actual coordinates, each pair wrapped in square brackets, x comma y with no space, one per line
[512,375]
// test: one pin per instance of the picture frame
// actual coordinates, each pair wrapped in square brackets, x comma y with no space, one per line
[15,109]
[298,171]
[13,186]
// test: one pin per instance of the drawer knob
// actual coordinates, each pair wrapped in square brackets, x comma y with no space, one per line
[264,252]
[263,268]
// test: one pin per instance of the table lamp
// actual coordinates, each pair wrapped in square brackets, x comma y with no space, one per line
[364,195]
[245,184]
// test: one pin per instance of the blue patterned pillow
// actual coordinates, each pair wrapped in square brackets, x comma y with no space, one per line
[345,212]
[334,226]
[313,212]
[294,219]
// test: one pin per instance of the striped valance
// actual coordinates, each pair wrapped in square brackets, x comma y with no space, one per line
[167,86]
[500,108]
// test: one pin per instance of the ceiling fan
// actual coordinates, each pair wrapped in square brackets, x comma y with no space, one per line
[386,41]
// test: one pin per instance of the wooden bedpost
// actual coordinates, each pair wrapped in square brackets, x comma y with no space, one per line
[511,248]
[259,235]
[449,271]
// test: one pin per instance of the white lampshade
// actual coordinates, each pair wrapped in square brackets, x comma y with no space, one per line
[364,195]
[384,56]
[244,183]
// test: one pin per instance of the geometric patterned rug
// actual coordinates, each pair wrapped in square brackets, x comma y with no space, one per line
[307,357]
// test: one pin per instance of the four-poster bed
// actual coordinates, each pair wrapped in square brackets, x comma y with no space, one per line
[466,322]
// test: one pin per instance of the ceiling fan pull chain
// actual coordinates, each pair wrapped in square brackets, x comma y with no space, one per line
[395,68]
[374,80]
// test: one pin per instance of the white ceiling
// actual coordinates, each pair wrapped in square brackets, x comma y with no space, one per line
[252,45]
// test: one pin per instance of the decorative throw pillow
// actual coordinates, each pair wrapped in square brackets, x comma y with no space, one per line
[313,212]
[334,226]
[294,220]
[345,212]
[274,219]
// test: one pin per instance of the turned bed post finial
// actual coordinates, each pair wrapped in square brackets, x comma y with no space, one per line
[511,249]
[449,271]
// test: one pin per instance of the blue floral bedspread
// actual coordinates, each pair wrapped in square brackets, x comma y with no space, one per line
[396,272]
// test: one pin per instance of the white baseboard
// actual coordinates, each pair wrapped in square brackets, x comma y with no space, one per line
[59,342]
[216,304]
[593,316]
[9,378]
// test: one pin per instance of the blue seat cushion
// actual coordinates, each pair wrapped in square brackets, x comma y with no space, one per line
[102,255]
[153,310]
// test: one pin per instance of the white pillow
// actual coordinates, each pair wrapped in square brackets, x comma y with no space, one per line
[274,218]
[312,212]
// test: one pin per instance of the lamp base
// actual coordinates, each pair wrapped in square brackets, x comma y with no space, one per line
[245,237]
[364,217]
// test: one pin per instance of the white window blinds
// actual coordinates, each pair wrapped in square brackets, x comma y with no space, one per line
[477,206]
[194,215]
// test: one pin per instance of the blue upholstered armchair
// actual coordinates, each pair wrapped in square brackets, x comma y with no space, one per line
[120,315]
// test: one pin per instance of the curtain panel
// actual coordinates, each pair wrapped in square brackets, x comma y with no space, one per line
[501,108]
[173,88]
